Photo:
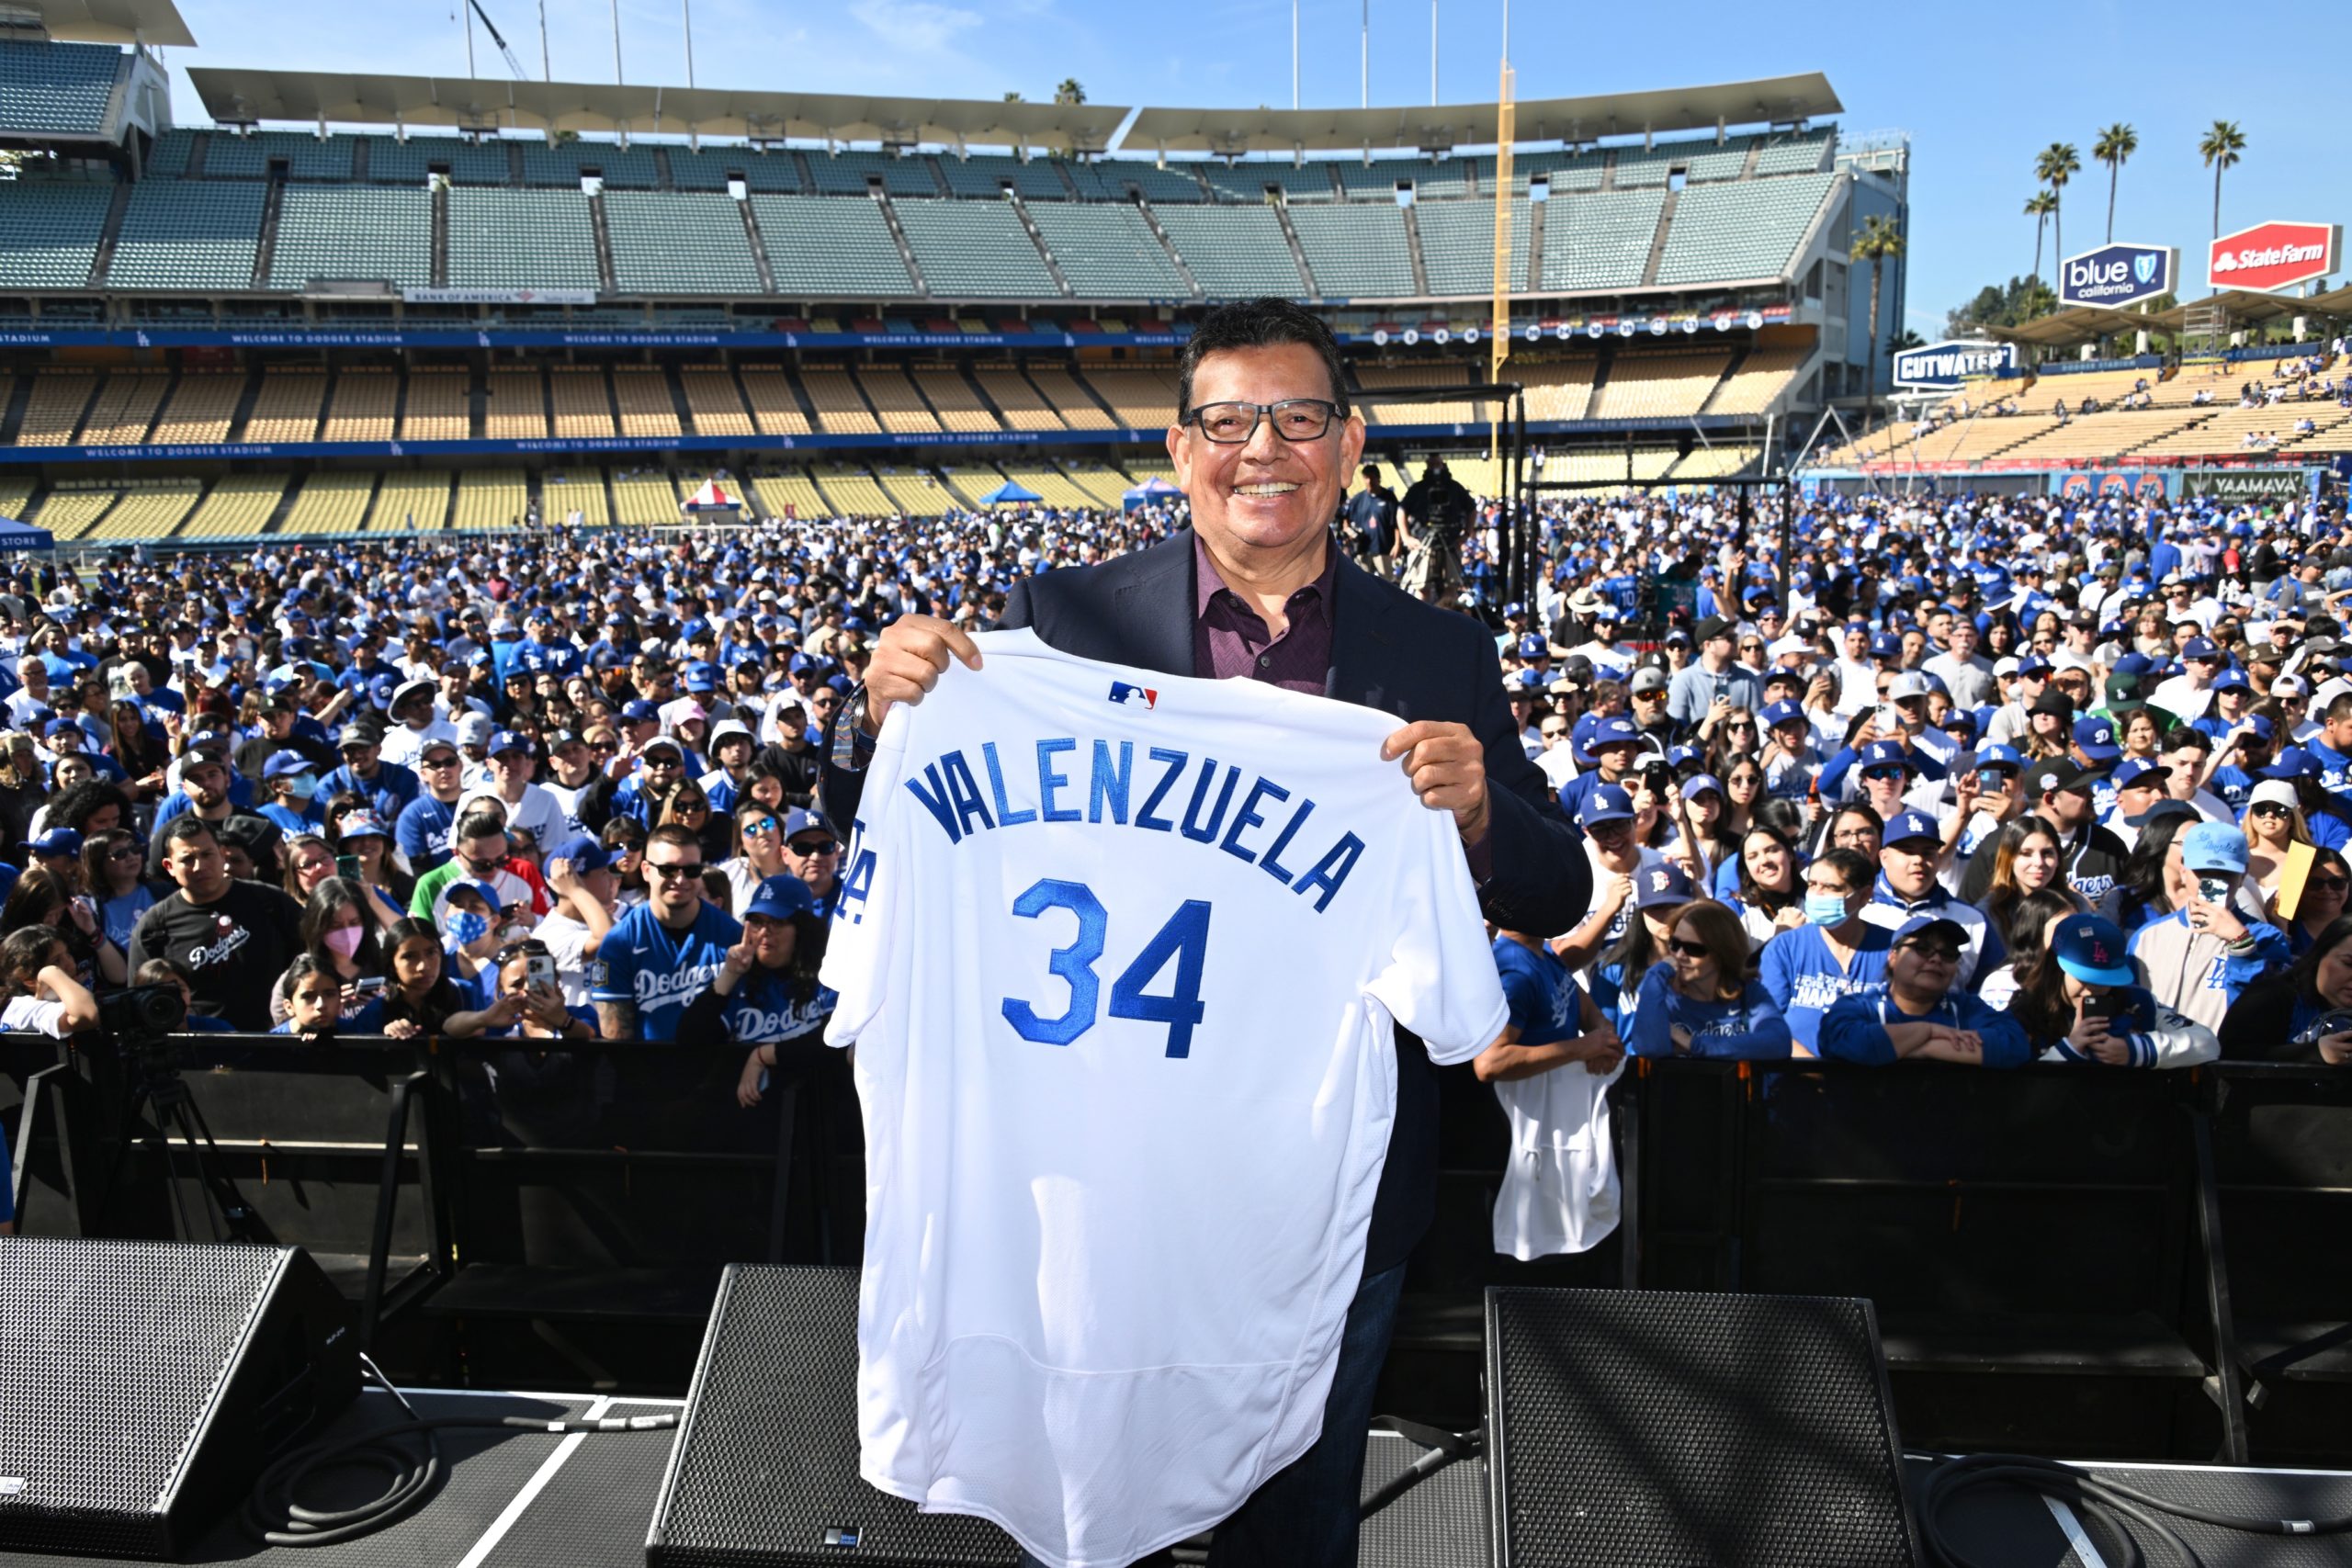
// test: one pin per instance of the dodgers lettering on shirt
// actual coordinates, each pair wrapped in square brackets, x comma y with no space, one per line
[763,1009]
[644,962]
[1123,956]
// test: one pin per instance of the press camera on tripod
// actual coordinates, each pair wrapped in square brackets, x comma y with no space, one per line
[140,1023]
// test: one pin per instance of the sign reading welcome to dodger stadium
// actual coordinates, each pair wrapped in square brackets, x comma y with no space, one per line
[2118,276]
[1943,366]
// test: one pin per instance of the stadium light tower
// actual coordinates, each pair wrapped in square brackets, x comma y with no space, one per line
[687,8]
[617,78]
[1293,53]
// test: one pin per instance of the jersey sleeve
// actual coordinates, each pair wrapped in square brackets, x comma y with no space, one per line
[871,901]
[1440,981]
[613,978]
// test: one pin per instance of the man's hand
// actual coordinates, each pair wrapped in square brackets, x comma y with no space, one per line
[1446,763]
[560,878]
[909,660]
[747,1083]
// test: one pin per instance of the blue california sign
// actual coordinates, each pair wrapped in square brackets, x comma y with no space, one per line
[2117,276]
[1943,366]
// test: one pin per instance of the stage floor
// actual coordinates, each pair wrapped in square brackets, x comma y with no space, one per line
[538,1500]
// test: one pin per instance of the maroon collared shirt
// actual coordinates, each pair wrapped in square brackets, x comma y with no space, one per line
[1231,640]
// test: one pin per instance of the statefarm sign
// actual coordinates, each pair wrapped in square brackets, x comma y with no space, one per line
[2272,256]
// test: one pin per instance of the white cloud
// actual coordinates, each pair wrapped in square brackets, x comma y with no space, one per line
[919,24]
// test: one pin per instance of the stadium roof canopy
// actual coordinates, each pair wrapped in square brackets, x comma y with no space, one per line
[239,96]
[108,21]
[1768,101]
[2085,323]
[2076,324]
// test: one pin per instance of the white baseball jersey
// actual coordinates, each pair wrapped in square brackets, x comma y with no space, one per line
[1121,954]
[1560,1193]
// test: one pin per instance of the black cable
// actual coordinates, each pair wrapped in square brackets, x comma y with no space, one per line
[273,1515]
[2094,1496]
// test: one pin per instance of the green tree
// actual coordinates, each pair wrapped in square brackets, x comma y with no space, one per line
[2114,146]
[2038,207]
[1070,92]
[1013,98]
[2057,163]
[2220,147]
[1878,242]
[1907,339]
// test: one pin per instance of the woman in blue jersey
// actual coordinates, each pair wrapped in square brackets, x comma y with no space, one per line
[1917,1014]
[1659,891]
[1700,1002]
[766,994]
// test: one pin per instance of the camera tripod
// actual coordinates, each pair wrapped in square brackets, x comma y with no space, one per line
[157,1088]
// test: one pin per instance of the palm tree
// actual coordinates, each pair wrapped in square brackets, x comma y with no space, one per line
[1878,242]
[2220,147]
[2057,163]
[2115,144]
[1070,92]
[2038,207]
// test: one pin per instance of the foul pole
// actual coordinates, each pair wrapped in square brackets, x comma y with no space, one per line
[1499,349]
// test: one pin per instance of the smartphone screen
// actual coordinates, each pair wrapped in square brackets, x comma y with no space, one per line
[2214,889]
[347,867]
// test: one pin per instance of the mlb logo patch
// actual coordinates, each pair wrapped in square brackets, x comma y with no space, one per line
[1120,692]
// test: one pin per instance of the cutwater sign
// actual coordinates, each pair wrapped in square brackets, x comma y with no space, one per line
[2118,276]
[1943,366]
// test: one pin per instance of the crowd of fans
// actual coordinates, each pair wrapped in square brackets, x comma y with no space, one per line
[1983,780]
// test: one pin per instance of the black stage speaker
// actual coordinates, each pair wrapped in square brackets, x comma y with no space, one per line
[1655,1429]
[765,1469]
[143,1385]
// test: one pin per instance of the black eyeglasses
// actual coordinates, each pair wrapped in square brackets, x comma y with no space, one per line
[1883,774]
[2326,885]
[1295,419]
[806,846]
[437,763]
[1936,952]
[1690,949]
[2270,808]
[126,852]
[674,872]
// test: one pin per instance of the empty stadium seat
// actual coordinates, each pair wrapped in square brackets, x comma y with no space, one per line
[681,242]
[1108,251]
[73,506]
[788,492]
[579,491]
[520,239]
[200,408]
[53,411]
[1374,379]
[818,246]
[352,231]
[1759,382]
[57,89]
[773,407]
[412,503]
[713,399]
[1458,245]
[516,408]
[918,492]
[236,507]
[847,174]
[1795,153]
[439,406]
[620,168]
[149,509]
[894,398]
[853,493]
[329,504]
[491,498]
[1651,385]
[362,405]
[840,407]
[583,407]
[186,234]
[1746,230]
[1246,181]
[1234,252]
[973,250]
[50,230]
[959,408]
[1559,390]
[1143,399]
[1356,249]
[125,408]
[645,499]
[1021,404]
[1600,241]
[287,407]
[986,175]
[643,394]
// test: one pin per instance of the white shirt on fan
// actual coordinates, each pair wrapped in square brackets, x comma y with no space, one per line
[1121,954]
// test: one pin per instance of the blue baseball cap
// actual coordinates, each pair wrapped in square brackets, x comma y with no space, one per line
[585,853]
[1664,883]
[702,677]
[2034,664]
[507,740]
[56,841]
[2200,647]
[2293,762]
[1884,754]
[2232,680]
[1929,925]
[1615,730]
[2214,846]
[2092,951]
[1911,825]
[1606,803]
[641,711]
[780,897]
[2132,770]
[2000,756]
[1778,714]
[285,764]
[2095,736]
[1532,646]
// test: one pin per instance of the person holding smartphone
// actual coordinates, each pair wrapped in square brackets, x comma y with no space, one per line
[2079,999]
[340,940]
[2218,939]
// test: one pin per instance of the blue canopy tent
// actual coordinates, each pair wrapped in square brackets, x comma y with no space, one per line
[16,536]
[1010,491]
[1153,492]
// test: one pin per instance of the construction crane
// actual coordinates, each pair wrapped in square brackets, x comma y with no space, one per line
[492,27]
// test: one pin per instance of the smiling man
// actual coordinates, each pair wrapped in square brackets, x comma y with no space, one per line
[1258,589]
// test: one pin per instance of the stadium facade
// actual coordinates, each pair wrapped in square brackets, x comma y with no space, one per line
[357,303]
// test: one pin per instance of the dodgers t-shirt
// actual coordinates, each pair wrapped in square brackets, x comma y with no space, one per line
[643,961]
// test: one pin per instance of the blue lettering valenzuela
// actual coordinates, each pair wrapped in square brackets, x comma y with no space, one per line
[949,790]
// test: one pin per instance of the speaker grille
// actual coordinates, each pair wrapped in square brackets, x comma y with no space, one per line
[1636,1429]
[765,1468]
[144,1348]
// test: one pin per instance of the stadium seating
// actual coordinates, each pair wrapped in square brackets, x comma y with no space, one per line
[839,405]
[1143,400]
[1600,241]
[849,174]
[1564,172]
[1356,249]
[188,234]
[352,231]
[72,507]
[713,399]
[362,406]
[439,406]
[819,247]
[50,231]
[582,404]
[894,398]
[200,408]
[468,162]
[1375,181]
[788,492]
[520,239]
[1660,386]
[1746,230]
[2227,433]
[2107,435]
[237,507]
[1559,391]
[851,493]
[579,489]
[642,393]
[959,407]
[491,498]
[680,243]
[1234,252]
[57,89]
[1053,487]
[412,503]
[708,169]
[644,498]
[986,175]
[1246,181]
[53,411]
[1715,463]
[1113,179]
[125,408]
[918,492]
[1590,468]
[394,161]
[329,504]
[1458,245]
[1102,484]
[1108,253]
[516,409]
[620,168]
[773,407]
[1794,153]
[1375,378]
[973,250]
[287,407]
[1021,404]
[1759,382]
[150,509]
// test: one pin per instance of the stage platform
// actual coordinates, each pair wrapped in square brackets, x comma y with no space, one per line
[516,1499]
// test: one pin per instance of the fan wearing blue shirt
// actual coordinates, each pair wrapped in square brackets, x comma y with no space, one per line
[1922,1013]
[1835,954]
[292,785]
[664,953]
[1553,1022]
[766,994]
[1910,850]
[1699,1003]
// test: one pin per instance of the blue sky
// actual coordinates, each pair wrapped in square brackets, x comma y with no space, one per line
[1979,89]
